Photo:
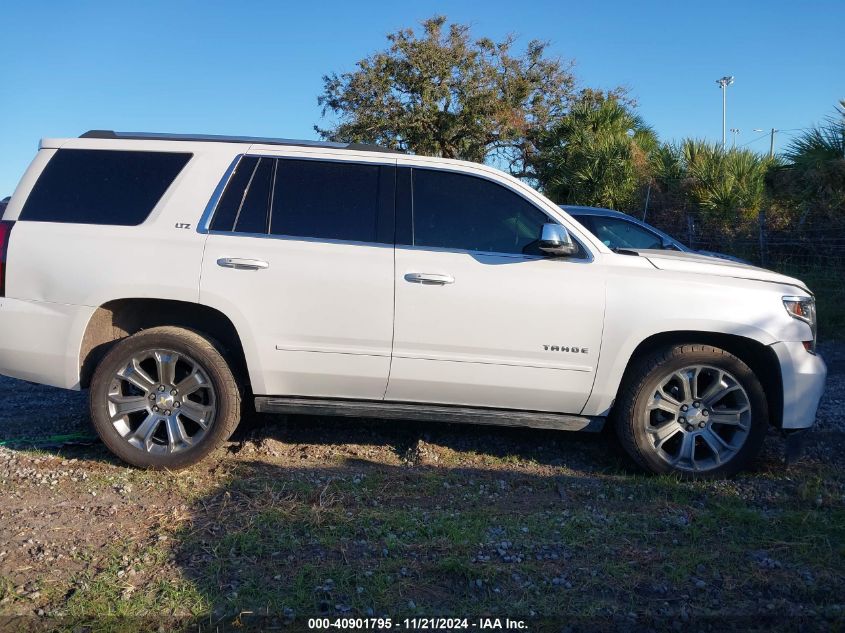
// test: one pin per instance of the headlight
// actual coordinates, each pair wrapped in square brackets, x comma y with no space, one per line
[803,309]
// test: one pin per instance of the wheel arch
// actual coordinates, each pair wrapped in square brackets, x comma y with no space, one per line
[759,357]
[117,319]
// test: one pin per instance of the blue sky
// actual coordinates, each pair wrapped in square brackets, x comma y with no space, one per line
[255,68]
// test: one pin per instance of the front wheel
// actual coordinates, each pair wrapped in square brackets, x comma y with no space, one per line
[694,410]
[164,398]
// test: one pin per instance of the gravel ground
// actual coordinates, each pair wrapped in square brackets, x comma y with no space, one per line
[38,412]
[306,516]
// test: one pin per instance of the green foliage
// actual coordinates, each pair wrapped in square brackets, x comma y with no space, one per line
[441,93]
[596,155]
[813,179]
[667,167]
[818,147]
[729,184]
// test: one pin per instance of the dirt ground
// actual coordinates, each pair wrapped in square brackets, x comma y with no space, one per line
[299,517]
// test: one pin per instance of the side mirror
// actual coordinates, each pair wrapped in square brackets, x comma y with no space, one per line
[555,241]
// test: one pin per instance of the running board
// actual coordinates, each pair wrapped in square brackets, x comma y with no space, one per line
[428,412]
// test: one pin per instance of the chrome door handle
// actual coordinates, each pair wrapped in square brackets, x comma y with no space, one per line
[430,279]
[242,264]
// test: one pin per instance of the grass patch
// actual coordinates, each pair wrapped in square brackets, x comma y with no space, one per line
[128,584]
[505,544]
[7,591]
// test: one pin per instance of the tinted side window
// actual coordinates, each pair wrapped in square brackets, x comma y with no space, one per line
[586,221]
[465,212]
[329,200]
[233,197]
[102,186]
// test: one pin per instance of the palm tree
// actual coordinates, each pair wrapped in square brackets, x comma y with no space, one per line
[820,146]
[729,185]
[597,155]
[813,178]
[726,187]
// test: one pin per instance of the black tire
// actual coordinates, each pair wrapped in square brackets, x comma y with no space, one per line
[220,390]
[635,426]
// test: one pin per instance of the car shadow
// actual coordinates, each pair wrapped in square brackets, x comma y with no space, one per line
[60,424]
[586,451]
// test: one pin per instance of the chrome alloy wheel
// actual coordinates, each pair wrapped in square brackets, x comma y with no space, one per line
[698,418]
[161,402]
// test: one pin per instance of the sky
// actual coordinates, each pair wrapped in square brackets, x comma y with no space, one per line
[255,68]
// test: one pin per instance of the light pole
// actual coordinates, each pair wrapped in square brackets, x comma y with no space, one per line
[724,82]
[734,131]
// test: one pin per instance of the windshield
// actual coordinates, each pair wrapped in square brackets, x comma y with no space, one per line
[620,233]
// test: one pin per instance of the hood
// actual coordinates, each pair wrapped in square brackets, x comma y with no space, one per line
[702,264]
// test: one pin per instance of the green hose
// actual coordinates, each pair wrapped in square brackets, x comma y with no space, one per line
[52,439]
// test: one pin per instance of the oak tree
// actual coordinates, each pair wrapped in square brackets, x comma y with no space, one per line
[443,93]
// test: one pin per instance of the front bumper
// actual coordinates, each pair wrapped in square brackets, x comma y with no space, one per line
[803,375]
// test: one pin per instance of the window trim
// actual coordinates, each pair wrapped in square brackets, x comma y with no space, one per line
[515,256]
[407,209]
[246,194]
[204,225]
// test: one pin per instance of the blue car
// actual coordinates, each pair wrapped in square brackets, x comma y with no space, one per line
[619,230]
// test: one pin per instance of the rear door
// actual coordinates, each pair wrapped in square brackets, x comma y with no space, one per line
[300,253]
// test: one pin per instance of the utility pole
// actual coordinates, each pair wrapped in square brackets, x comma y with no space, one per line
[761,216]
[771,140]
[724,82]
[734,131]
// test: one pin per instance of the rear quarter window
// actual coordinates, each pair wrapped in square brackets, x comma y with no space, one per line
[111,187]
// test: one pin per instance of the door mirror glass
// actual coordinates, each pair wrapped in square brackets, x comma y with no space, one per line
[555,241]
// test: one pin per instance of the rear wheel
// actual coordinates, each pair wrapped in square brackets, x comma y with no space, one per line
[694,410]
[164,398]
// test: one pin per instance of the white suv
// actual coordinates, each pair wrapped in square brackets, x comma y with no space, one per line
[181,278]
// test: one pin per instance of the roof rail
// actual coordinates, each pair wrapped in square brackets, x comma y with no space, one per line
[214,138]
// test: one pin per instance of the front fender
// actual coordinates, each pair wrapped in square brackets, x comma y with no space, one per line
[660,303]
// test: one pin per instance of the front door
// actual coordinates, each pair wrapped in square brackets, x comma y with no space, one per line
[482,317]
